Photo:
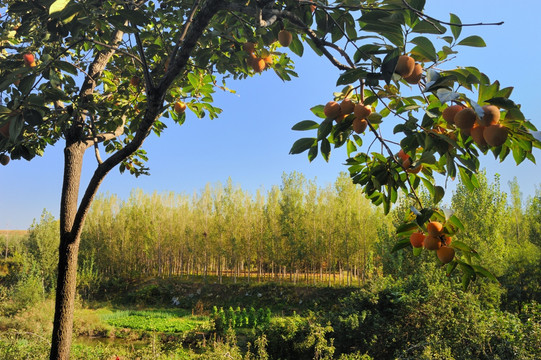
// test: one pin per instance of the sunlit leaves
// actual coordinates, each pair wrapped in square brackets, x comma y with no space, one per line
[474,40]
[58,6]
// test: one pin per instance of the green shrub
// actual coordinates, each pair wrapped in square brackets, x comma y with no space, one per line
[16,346]
[299,338]
[427,321]
[28,291]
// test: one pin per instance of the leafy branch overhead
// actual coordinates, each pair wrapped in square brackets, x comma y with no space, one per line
[446,117]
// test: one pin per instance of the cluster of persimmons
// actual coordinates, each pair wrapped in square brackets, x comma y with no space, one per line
[435,239]
[260,60]
[339,111]
[410,71]
[484,130]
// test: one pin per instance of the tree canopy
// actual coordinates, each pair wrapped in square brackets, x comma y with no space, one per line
[101,75]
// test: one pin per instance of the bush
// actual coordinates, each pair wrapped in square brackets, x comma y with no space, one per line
[16,346]
[299,338]
[429,321]
[28,291]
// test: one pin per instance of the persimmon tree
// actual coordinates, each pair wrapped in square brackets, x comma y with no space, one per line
[101,75]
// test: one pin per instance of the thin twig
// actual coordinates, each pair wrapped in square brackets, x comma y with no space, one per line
[423,15]
[94,135]
[115,48]
[274,14]
[149,84]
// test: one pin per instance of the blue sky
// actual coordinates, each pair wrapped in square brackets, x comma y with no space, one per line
[250,141]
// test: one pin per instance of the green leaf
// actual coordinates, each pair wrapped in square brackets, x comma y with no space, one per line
[417,251]
[15,127]
[58,6]
[374,118]
[66,66]
[429,186]
[450,268]
[302,145]
[305,125]
[424,48]
[467,268]
[456,222]
[464,247]
[381,23]
[401,244]
[350,147]
[296,46]
[325,149]
[451,168]
[456,30]
[312,154]
[439,192]
[474,40]
[349,24]
[324,129]
[417,4]
[519,154]
[429,27]
[465,178]
[350,76]
[364,52]
[194,80]
[134,16]
[466,279]
[318,111]
[407,227]
[27,83]
[389,64]
[32,117]
[502,103]
[484,272]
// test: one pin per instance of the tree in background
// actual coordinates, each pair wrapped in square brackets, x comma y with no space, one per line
[488,201]
[533,215]
[99,75]
[520,227]
[42,243]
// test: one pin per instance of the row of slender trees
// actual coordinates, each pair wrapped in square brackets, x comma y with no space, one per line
[295,230]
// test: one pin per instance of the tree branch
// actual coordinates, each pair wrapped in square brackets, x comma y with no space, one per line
[115,48]
[270,16]
[155,99]
[185,29]
[98,65]
[425,16]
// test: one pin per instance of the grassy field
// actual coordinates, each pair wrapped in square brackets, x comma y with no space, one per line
[162,320]
[143,322]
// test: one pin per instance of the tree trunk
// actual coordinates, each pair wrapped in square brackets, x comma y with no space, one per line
[68,252]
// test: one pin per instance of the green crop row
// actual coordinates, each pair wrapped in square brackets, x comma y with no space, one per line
[240,318]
